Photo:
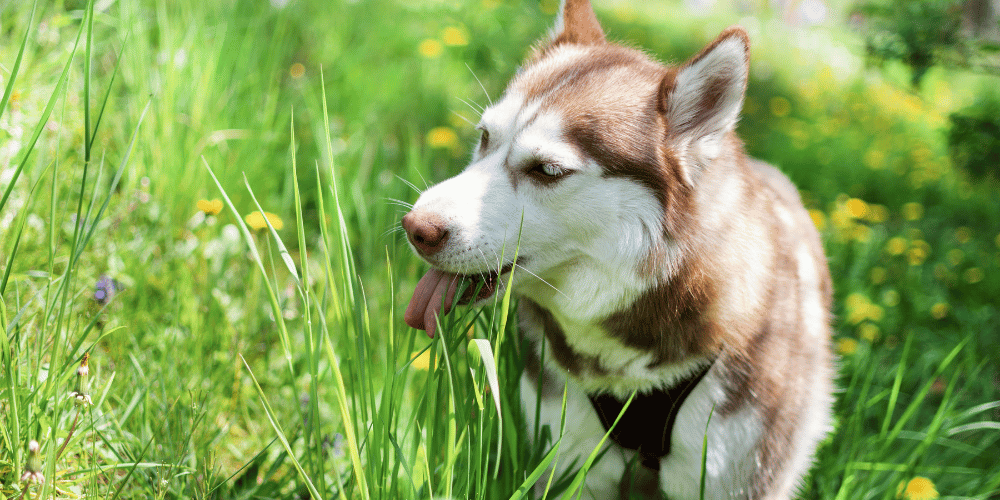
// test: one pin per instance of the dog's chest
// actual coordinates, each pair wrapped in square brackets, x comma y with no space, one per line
[599,362]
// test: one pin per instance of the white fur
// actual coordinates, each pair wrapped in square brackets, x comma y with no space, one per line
[582,435]
[730,445]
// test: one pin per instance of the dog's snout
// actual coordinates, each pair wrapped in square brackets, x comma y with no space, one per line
[427,231]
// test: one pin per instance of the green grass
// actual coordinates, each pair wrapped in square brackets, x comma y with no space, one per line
[234,362]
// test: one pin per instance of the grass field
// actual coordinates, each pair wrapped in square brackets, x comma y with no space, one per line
[159,344]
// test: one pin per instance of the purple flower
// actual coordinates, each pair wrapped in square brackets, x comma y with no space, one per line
[106,288]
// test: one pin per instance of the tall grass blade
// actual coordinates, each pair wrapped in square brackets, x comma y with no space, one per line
[42,121]
[271,295]
[17,62]
[281,435]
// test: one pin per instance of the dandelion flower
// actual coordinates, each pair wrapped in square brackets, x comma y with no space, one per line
[818,218]
[918,488]
[421,361]
[896,246]
[877,275]
[869,332]
[877,214]
[442,137]
[780,106]
[454,36]
[33,466]
[963,234]
[973,275]
[256,221]
[890,298]
[847,347]
[913,211]
[210,207]
[79,393]
[296,70]
[939,310]
[857,208]
[430,48]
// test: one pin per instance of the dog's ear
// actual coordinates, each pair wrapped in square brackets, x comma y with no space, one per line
[576,23]
[702,100]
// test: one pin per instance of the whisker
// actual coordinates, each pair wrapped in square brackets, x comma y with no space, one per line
[398,203]
[475,107]
[519,266]
[480,84]
[408,183]
[460,115]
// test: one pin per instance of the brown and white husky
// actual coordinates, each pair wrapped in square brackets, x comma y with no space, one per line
[655,258]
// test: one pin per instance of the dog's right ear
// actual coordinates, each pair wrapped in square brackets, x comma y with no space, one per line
[576,23]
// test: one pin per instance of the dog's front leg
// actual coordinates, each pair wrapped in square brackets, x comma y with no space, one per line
[580,437]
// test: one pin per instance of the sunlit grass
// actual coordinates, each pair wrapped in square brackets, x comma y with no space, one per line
[243,337]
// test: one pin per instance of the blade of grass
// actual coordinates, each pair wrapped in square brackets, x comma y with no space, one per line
[42,121]
[17,62]
[281,435]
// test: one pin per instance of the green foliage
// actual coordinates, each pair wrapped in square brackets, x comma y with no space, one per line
[237,361]
[916,32]
[974,138]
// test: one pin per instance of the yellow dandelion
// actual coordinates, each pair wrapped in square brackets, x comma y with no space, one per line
[856,301]
[896,246]
[918,488]
[256,221]
[913,211]
[877,275]
[818,218]
[955,256]
[890,298]
[442,137]
[780,106]
[856,208]
[963,234]
[210,207]
[847,347]
[874,159]
[916,256]
[939,310]
[877,213]
[973,275]
[297,70]
[869,332]
[874,312]
[430,48]
[421,361]
[454,36]
[15,96]
[861,233]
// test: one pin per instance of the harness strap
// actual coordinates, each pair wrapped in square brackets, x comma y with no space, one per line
[647,424]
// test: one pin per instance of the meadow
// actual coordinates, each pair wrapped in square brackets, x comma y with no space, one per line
[163,339]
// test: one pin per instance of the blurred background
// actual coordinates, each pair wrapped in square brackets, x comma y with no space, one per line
[116,243]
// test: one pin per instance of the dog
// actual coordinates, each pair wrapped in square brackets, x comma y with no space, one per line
[654,260]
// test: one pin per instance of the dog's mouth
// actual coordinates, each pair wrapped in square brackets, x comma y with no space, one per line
[436,291]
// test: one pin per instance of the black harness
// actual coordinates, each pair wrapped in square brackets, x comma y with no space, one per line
[647,424]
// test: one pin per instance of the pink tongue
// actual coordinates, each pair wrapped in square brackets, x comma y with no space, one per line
[435,289]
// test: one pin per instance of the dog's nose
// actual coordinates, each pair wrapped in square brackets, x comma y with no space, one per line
[426,231]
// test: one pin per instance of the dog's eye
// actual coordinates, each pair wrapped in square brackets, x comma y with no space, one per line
[546,171]
[484,140]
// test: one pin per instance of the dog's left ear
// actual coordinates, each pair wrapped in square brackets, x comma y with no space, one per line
[576,23]
[703,99]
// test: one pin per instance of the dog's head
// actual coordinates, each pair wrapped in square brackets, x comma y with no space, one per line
[584,170]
